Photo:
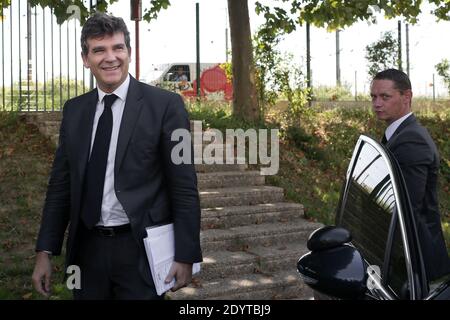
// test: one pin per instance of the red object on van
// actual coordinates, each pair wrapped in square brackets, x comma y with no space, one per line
[212,80]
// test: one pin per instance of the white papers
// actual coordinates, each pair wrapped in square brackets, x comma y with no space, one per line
[160,248]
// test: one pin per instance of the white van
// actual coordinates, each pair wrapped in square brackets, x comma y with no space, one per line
[214,84]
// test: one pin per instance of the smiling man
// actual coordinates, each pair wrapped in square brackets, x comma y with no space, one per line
[417,155]
[113,176]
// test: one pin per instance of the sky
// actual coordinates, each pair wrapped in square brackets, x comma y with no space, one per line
[171,39]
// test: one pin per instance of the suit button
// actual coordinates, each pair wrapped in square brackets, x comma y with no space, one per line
[117,191]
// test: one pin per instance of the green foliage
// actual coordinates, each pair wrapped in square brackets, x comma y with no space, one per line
[60,8]
[315,153]
[442,9]
[332,14]
[333,93]
[152,12]
[438,124]
[218,115]
[276,74]
[443,69]
[4,4]
[228,68]
[288,82]
[8,120]
[306,142]
[382,54]
[276,20]
[338,14]
[266,57]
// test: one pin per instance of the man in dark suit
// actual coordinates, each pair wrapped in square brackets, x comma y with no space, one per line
[418,158]
[113,176]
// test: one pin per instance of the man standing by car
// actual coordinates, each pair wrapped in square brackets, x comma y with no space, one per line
[418,158]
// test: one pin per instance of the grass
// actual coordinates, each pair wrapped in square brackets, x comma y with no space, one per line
[218,115]
[25,160]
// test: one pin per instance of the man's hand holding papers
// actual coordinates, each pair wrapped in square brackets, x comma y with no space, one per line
[167,274]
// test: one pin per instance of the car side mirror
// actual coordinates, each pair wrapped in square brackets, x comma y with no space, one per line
[333,267]
[328,237]
[168,76]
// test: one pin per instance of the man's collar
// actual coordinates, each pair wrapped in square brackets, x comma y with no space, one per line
[394,125]
[121,91]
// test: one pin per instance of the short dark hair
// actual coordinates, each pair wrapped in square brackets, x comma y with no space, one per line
[400,79]
[101,24]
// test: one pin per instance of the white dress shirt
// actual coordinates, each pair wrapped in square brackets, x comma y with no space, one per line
[394,125]
[112,212]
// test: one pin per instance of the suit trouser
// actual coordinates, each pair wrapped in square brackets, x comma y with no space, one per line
[109,268]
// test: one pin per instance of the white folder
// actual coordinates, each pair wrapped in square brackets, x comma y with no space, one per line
[160,249]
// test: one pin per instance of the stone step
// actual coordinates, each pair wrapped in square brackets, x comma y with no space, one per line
[204,144]
[240,196]
[281,285]
[50,120]
[226,217]
[220,167]
[50,128]
[41,116]
[275,258]
[229,179]
[226,154]
[265,234]
[51,123]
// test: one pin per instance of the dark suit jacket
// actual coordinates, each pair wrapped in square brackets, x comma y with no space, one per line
[151,189]
[418,158]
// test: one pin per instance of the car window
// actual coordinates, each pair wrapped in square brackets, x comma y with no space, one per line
[186,72]
[368,211]
[173,72]
[396,274]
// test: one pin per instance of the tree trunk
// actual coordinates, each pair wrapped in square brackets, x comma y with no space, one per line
[245,100]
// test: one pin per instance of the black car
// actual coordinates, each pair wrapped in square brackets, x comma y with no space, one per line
[373,251]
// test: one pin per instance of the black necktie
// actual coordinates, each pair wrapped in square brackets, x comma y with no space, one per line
[384,140]
[96,168]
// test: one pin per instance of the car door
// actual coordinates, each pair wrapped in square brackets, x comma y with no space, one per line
[375,208]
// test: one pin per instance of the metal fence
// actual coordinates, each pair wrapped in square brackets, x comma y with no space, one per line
[41,66]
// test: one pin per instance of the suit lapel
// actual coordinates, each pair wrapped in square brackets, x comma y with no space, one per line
[133,106]
[408,121]
[411,119]
[85,132]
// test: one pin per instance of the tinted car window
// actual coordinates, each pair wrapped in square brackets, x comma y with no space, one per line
[397,275]
[367,211]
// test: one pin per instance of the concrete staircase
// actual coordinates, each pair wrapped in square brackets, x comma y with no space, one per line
[251,238]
